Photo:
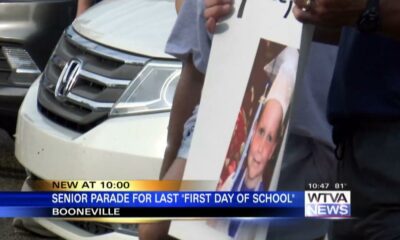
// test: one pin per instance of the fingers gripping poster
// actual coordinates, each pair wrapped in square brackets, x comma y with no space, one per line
[258,52]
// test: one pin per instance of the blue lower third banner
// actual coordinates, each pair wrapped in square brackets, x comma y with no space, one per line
[152,204]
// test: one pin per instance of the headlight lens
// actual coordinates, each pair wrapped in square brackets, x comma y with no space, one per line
[151,91]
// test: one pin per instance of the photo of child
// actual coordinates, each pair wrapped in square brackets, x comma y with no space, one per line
[260,126]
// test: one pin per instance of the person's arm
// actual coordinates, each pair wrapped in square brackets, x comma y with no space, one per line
[187,96]
[390,15]
[83,5]
[178,5]
[339,13]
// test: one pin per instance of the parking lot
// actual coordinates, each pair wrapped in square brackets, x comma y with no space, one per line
[12,176]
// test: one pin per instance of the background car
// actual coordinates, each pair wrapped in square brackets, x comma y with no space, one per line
[29,30]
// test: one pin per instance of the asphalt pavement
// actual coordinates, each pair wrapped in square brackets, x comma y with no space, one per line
[12,175]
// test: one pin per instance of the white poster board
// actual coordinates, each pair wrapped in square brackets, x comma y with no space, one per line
[249,53]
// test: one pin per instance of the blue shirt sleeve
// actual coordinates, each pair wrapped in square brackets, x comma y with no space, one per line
[189,36]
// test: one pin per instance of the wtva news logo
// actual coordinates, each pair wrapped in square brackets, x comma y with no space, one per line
[327,204]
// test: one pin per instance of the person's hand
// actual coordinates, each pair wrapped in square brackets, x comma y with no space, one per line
[178,5]
[329,13]
[215,10]
[82,6]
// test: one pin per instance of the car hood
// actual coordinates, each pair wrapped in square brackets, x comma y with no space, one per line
[136,26]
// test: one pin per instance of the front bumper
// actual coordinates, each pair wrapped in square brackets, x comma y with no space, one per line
[129,147]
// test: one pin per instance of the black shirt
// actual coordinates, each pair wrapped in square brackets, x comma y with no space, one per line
[366,80]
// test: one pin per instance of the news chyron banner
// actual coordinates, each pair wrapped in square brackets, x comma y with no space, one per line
[258,54]
[125,201]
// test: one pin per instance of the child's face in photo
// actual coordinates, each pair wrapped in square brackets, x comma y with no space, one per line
[264,139]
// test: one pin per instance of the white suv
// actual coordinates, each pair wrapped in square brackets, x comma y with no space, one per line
[101,107]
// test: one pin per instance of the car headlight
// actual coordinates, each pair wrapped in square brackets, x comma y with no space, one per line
[151,91]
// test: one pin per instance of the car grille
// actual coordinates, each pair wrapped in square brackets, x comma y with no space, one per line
[5,69]
[104,75]
[17,68]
